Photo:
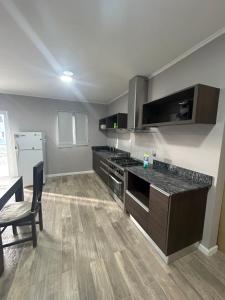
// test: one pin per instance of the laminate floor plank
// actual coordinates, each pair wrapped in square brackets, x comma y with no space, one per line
[90,249]
[131,276]
[101,279]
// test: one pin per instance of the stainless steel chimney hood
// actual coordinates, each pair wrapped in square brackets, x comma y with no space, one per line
[138,95]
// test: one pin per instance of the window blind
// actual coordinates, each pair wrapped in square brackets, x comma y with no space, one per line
[72,129]
[65,129]
[81,129]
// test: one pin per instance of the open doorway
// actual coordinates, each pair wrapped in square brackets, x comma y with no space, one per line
[4,147]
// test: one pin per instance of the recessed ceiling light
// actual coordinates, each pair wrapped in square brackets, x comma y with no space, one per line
[65,78]
[68,73]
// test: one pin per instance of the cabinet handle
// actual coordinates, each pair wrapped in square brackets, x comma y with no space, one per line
[105,165]
[137,201]
[159,190]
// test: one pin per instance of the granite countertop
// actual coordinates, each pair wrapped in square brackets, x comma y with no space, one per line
[168,178]
[170,182]
[105,153]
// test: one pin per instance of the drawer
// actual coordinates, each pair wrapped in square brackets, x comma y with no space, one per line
[137,211]
[104,175]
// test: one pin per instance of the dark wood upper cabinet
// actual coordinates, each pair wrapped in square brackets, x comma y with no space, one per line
[117,121]
[194,105]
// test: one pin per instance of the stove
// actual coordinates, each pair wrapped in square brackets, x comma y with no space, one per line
[114,169]
[125,162]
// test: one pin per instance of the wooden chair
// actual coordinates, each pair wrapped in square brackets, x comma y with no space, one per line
[24,213]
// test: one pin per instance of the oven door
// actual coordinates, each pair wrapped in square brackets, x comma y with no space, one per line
[116,185]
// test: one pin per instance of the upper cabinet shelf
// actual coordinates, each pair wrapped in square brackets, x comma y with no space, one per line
[194,105]
[117,121]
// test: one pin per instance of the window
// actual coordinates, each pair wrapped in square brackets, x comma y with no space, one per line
[72,129]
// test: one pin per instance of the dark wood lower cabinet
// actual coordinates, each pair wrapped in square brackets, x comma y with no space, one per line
[173,222]
[186,219]
[158,218]
[100,167]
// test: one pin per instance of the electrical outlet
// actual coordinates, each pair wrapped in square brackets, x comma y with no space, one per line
[153,153]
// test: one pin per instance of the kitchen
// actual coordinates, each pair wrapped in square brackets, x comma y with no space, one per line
[99,228]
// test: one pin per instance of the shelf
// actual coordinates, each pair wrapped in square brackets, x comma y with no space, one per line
[139,188]
[102,122]
[196,104]
[114,122]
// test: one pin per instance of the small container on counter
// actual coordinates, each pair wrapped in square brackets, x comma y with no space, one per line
[146,161]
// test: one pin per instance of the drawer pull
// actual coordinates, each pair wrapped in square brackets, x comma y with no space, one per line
[104,171]
[137,201]
[104,164]
[159,190]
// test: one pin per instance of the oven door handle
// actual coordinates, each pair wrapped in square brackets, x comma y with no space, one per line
[114,179]
[104,171]
[104,164]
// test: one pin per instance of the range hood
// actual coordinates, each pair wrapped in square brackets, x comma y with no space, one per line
[138,95]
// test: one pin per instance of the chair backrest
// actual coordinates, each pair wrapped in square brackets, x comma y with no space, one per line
[37,184]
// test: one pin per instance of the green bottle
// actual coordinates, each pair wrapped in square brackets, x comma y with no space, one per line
[146,161]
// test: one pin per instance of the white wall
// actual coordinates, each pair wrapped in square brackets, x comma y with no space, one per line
[196,147]
[30,113]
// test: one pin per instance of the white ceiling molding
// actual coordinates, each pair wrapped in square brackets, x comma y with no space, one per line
[8,93]
[180,58]
[190,51]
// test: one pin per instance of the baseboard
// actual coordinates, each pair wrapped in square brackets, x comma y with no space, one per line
[69,173]
[208,251]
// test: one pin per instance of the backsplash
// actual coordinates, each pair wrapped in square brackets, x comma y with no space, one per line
[136,144]
[182,172]
[171,145]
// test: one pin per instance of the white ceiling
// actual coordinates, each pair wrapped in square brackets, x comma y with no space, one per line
[103,42]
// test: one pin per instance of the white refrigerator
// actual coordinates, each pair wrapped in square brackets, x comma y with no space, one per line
[30,149]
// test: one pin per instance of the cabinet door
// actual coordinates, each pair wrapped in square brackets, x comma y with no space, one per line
[104,174]
[158,217]
[186,221]
[94,161]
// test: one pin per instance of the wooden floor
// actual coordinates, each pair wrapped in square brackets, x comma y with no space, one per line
[90,250]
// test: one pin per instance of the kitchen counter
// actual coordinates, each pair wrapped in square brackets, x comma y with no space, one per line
[106,153]
[172,179]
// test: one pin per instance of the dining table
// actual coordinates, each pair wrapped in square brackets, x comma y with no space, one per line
[9,187]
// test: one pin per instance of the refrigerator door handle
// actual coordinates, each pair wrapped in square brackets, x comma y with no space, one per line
[17,150]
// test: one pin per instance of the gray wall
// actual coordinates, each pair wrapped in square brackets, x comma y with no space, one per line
[197,147]
[118,106]
[29,113]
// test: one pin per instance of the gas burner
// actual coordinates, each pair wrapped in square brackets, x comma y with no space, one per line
[125,161]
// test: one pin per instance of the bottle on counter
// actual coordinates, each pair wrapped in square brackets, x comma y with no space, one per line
[146,161]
